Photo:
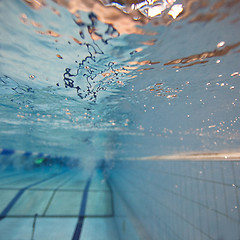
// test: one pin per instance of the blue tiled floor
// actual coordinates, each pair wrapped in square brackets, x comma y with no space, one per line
[56,202]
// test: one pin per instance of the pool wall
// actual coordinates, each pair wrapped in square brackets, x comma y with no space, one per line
[177,199]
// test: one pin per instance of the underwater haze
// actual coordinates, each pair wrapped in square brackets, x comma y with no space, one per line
[120,120]
[87,80]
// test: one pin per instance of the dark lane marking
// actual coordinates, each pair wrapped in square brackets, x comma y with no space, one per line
[78,228]
[6,210]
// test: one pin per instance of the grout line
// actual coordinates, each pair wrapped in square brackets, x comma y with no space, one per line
[53,194]
[60,216]
[6,210]
[195,202]
[196,178]
[33,226]
[50,190]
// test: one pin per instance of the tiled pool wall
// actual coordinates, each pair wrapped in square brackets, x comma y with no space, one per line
[176,200]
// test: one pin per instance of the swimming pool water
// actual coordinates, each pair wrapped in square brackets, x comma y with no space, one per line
[139,100]
[71,84]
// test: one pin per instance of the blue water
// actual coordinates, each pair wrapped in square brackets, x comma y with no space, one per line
[101,108]
[93,89]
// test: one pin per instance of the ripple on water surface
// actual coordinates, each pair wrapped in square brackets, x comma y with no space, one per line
[119,78]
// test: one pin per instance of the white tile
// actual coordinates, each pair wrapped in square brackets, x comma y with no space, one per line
[16,228]
[16,180]
[77,183]
[54,228]
[228,229]
[232,211]
[65,203]
[54,182]
[236,169]
[31,203]
[228,172]
[5,197]
[99,203]
[99,229]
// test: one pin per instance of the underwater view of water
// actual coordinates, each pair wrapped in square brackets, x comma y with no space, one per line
[74,83]
[115,96]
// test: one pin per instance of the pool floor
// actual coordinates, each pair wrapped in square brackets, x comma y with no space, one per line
[57,204]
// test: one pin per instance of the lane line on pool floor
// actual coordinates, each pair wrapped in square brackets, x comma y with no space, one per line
[10,205]
[78,228]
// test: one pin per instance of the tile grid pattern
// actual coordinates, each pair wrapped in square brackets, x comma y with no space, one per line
[50,194]
[182,200]
[61,199]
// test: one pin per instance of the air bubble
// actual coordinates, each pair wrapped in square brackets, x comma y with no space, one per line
[32,77]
